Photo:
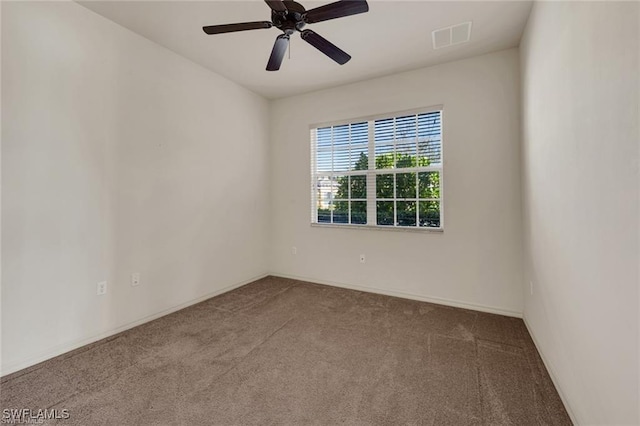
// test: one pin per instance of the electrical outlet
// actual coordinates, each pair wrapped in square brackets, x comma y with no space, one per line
[531,287]
[294,250]
[362,258]
[102,288]
[135,279]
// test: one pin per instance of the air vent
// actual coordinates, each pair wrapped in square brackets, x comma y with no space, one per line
[449,36]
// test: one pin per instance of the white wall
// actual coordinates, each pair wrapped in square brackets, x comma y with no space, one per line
[580,191]
[476,261]
[118,156]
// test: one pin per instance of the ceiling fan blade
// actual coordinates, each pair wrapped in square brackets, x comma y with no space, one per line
[336,10]
[276,5]
[325,46]
[277,54]
[230,28]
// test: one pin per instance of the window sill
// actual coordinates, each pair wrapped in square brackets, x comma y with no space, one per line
[378,228]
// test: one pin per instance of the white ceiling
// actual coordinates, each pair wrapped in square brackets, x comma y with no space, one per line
[393,36]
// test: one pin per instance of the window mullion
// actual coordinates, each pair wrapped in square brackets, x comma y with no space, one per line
[394,166]
[349,200]
[395,201]
[417,195]
[314,179]
[417,132]
[371,176]
[349,177]
[332,178]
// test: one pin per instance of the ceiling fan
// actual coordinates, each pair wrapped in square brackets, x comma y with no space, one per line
[289,16]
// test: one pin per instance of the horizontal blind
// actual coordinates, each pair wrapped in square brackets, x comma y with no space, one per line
[401,186]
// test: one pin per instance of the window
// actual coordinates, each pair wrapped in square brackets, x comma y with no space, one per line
[384,172]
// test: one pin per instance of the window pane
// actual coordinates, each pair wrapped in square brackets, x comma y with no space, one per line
[323,161]
[406,213]
[429,212]
[324,215]
[323,137]
[384,212]
[359,159]
[323,198]
[384,130]
[384,186]
[340,187]
[406,155]
[385,158]
[359,212]
[406,185]
[341,212]
[360,134]
[429,138]
[341,136]
[429,185]
[359,186]
[405,141]
[406,127]
[324,192]
[341,160]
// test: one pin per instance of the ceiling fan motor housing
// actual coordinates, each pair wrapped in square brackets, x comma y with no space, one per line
[290,20]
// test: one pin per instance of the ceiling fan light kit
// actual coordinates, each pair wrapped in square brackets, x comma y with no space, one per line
[290,16]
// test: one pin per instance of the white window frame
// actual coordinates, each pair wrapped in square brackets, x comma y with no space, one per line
[372,172]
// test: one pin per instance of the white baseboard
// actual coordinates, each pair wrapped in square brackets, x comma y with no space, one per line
[69,346]
[552,374]
[430,299]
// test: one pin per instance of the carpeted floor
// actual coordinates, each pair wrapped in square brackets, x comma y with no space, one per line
[280,351]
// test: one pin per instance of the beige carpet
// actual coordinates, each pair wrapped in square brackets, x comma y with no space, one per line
[280,351]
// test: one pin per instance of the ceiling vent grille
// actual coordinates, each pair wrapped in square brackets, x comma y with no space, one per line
[449,36]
